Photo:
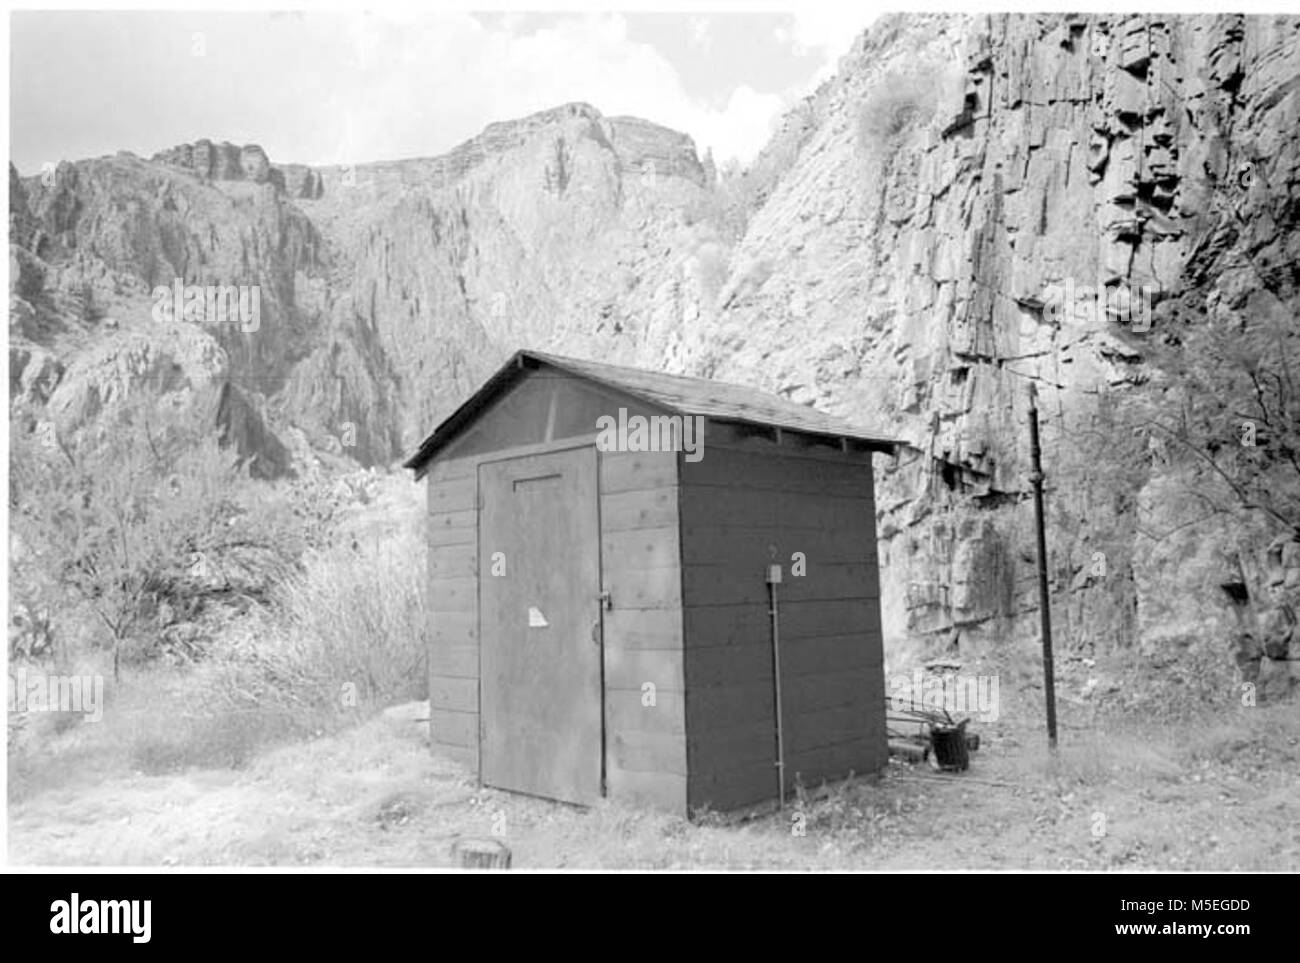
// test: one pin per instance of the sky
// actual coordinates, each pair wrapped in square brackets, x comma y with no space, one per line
[339,87]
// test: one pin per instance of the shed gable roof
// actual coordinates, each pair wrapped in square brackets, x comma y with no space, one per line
[677,394]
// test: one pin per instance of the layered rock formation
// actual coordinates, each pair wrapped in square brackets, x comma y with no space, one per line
[895,255]
[227,162]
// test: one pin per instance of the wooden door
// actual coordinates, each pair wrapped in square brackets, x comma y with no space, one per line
[539,614]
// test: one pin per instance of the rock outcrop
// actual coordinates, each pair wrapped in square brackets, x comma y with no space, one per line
[227,162]
[649,150]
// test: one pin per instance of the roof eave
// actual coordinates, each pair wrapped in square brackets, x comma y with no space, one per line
[450,425]
[520,361]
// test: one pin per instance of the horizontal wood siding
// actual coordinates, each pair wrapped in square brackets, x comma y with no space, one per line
[645,728]
[748,503]
[452,499]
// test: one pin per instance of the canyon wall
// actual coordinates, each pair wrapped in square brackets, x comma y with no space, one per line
[950,179]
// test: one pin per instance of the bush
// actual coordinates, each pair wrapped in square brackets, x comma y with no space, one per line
[343,637]
[152,525]
[150,512]
[708,269]
[338,641]
[903,99]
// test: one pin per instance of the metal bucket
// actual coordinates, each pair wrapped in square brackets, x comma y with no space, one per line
[951,751]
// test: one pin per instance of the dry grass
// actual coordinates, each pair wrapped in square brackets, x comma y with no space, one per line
[358,619]
[375,795]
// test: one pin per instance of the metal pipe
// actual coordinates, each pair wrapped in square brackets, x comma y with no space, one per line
[1044,595]
[774,577]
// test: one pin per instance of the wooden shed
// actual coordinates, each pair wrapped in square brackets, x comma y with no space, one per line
[601,610]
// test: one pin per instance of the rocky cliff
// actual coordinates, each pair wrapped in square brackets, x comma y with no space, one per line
[954,174]
[892,256]
[226,162]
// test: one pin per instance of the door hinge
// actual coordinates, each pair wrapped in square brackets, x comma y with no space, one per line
[606,601]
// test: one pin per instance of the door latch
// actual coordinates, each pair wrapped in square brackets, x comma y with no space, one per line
[606,601]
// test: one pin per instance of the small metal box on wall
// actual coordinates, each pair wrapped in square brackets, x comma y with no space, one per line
[601,541]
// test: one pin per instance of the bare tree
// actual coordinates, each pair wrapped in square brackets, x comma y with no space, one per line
[1236,411]
[152,508]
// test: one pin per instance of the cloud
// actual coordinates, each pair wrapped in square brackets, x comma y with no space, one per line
[492,73]
[740,129]
[701,32]
[342,88]
[831,29]
[827,31]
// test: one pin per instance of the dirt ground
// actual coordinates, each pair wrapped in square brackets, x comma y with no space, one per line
[1224,795]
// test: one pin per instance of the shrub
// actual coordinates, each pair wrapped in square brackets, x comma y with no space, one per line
[340,639]
[362,611]
[904,99]
[150,510]
[343,637]
[708,269]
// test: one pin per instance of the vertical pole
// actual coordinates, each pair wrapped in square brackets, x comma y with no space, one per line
[1044,596]
[773,578]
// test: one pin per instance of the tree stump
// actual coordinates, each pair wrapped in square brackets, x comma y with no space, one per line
[481,854]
